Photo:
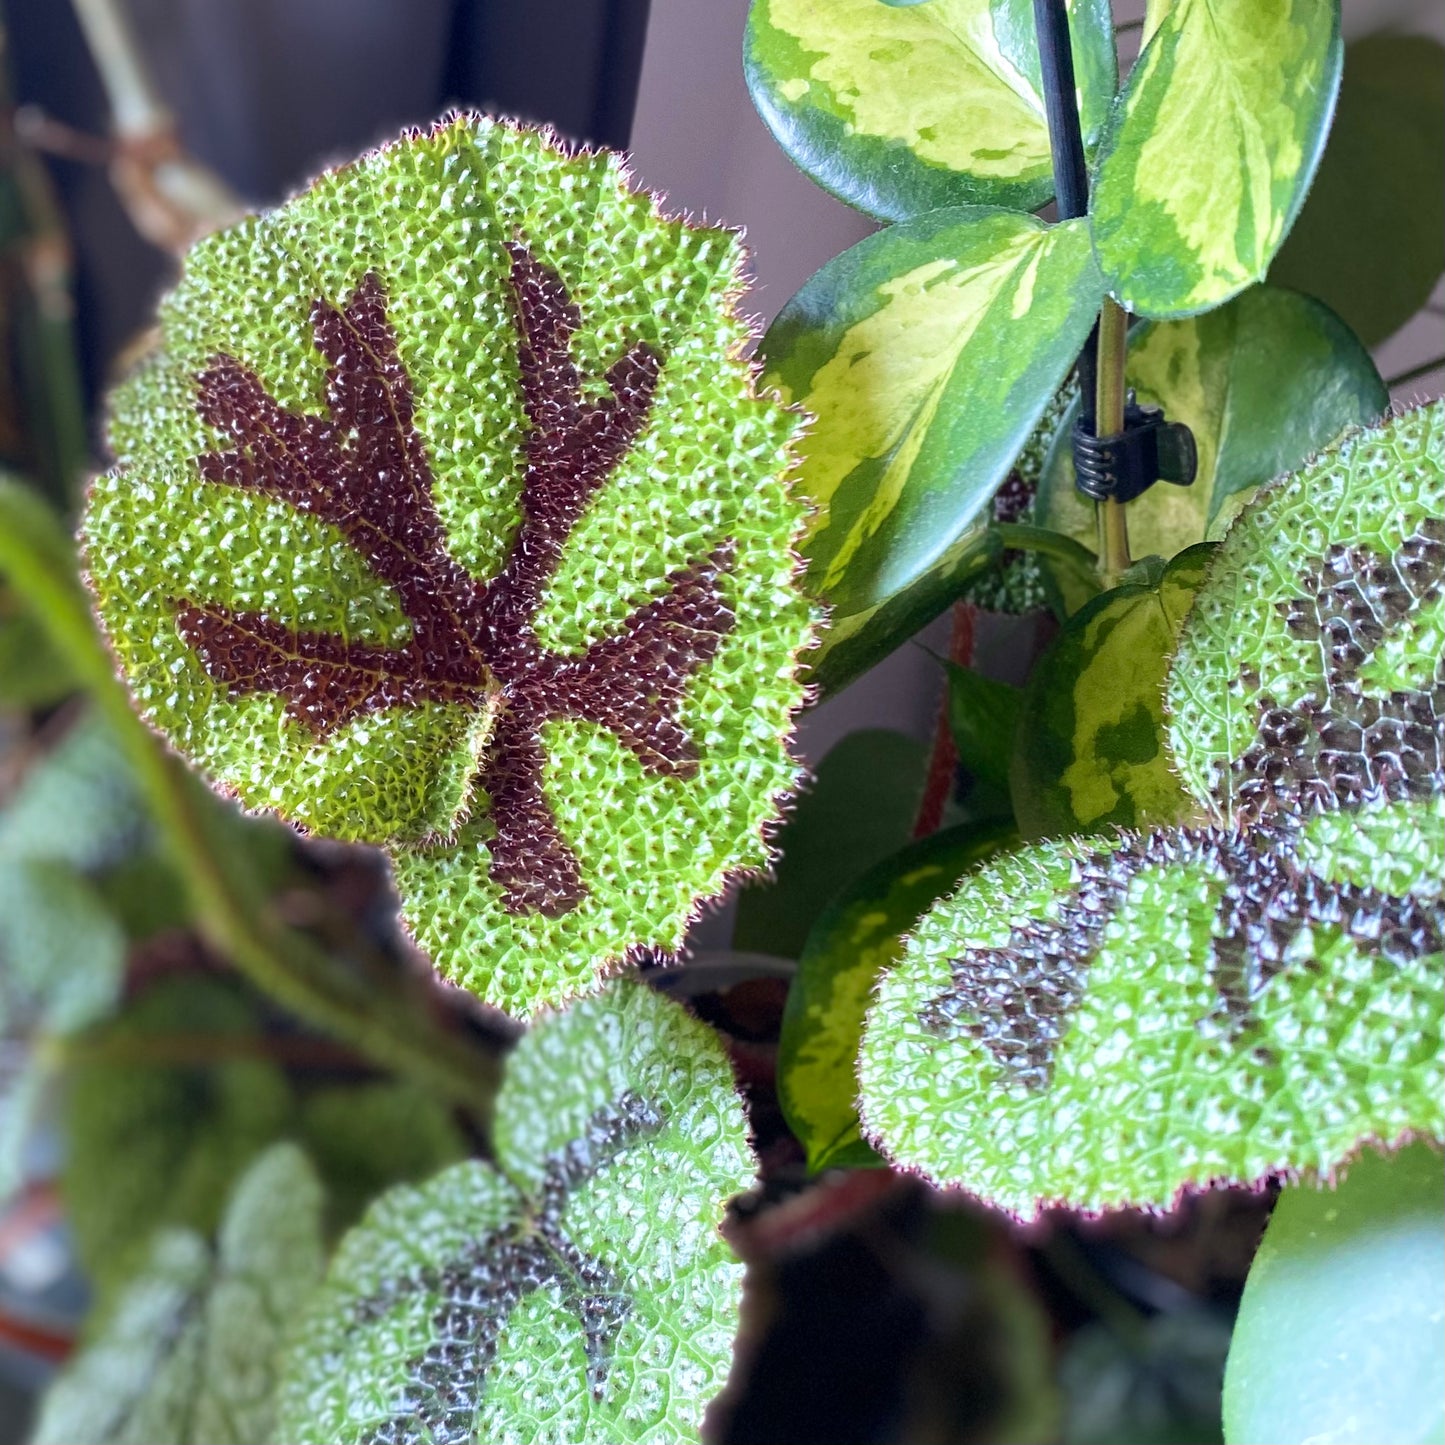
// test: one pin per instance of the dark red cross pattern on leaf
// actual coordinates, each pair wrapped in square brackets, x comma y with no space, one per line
[363,468]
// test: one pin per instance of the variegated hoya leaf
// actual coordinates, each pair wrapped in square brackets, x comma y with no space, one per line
[188,1353]
[1091,751]
[1263,383]
[1340,1329]
[849,946]
[446,517]
[1106,1023]
[578,1290]
[1211,147]
[926,355]
[901,110]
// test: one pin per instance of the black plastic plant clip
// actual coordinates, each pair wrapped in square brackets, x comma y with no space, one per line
[1125,466]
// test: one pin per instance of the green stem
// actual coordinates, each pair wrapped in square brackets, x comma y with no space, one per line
[239,922]
[1109,422]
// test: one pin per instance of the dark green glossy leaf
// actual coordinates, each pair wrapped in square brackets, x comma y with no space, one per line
[902,108]
[1263,383]
[926,355]
[1341,1337]
[1091,747]
[849,947]
[1210,149]
[983,715]
[859,808]
[1371,237]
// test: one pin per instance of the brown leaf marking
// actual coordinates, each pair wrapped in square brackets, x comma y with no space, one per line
[363,469]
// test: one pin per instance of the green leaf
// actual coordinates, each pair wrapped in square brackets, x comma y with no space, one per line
[188,1353]
[1021,581]
[1340,1336]
[859,936]
[1108,1023]
[1091,750]
[577,1291]
[926,355]
[365,1137]
[983,715]
[164,1111]
[62,953]
[353,583]
[1263,383]
[1308,673]
[32,673]
[901,110]
[1371,237]
[1157,1386]
[860,808]
[853,644]
[78,805]
[1210,149]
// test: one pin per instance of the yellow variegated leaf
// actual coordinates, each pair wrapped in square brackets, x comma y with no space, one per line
[1262,383]
[925,355]
[1210,150]
[899,110]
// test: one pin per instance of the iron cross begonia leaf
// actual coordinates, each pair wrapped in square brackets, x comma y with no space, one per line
[446,517]
[574,1289]
[1104,1022]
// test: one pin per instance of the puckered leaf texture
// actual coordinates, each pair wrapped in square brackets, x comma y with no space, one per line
[576,1290]
[188,1353]
[446,517]
[1107,1022]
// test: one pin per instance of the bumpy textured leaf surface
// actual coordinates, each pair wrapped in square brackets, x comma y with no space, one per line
[188,1353]
[848,948]
[1311,669]
[1263,383]
[1108,1023]
[578,1291]
[926,355]
[446,517]
[1091,749]
[1211,147]
[902,110]
[154,1139]
[1371,237]
[1340,1335]
[858,808]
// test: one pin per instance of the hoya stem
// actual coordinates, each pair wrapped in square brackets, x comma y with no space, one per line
[1101,372]
[300,976]
[1108,422]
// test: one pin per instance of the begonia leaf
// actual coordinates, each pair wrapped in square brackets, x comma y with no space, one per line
[446,517]
[1111,1021]
[575,1290]
[189,1351]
